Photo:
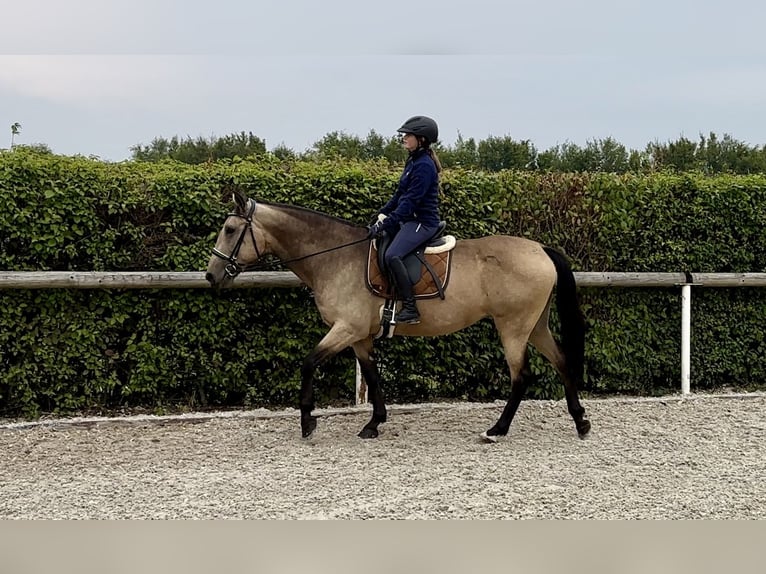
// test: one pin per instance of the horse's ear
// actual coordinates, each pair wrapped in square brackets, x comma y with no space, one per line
[239,198]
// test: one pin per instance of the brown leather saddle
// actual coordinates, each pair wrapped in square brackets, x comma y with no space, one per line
[428,267]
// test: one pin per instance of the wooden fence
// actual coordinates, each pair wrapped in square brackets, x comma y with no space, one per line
[196,279]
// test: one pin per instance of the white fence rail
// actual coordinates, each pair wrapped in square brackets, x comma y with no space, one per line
[194,279]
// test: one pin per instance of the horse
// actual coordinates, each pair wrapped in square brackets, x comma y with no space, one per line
[510,279]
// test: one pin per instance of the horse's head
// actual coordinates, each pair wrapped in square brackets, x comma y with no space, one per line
[237,245]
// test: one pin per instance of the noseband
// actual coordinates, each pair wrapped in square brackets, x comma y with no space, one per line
[234,268]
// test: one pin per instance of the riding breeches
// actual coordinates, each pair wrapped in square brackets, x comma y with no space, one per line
[410,236]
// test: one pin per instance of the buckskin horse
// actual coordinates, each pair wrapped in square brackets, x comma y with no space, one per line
[510,279]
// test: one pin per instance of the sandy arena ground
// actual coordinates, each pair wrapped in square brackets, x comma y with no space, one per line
[700,457]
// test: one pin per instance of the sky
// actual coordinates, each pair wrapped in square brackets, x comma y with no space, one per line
[95,77]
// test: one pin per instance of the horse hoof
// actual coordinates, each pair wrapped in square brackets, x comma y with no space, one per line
[308,427]
[368,433]
[489,439]
[583,429]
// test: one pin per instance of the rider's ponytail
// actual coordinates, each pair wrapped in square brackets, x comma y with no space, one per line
[434,157]
[425,144]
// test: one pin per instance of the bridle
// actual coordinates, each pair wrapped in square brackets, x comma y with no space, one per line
[234,268]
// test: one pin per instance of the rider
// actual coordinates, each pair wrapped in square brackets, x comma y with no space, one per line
[412,214]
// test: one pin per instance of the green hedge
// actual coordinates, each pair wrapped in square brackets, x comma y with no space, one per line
[69,351]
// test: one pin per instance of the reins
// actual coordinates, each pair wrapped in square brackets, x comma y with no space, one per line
[234,268]
[274,264]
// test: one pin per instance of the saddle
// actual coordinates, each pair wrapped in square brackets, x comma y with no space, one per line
[428,267]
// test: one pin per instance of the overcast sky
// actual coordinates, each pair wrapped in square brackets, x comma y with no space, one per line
[95,77]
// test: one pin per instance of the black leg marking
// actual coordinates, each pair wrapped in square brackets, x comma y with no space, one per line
[379,415]
[339,337]
[518,390]
[571,381]
[308,421]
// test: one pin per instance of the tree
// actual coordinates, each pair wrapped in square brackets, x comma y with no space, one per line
[727,154]
[394,151]
[283,152]
[613,157]
[200,150]
[38,148]
[678,155]
[505,153]
[711,155]
[342,145]
[464,154]
[336,145]
[15,130]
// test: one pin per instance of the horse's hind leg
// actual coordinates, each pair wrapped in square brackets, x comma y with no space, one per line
[515,347]
[364,355]
[543,341]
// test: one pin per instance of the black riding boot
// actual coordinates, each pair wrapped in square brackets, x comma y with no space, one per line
[409,312]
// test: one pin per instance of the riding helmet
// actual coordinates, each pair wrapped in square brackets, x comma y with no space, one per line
[421,126]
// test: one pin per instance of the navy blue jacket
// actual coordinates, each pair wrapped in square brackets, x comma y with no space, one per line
[417,196]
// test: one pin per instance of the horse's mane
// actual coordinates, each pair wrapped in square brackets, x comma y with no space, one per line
[308,211]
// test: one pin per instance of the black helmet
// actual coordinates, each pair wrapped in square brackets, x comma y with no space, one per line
[421,126]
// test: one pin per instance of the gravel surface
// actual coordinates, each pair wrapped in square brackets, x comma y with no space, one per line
[701,457]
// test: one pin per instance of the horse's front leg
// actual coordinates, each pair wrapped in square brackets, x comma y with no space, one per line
[308,421]
[338,338]
[363,351]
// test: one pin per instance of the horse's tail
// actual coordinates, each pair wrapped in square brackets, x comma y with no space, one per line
[570,315]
